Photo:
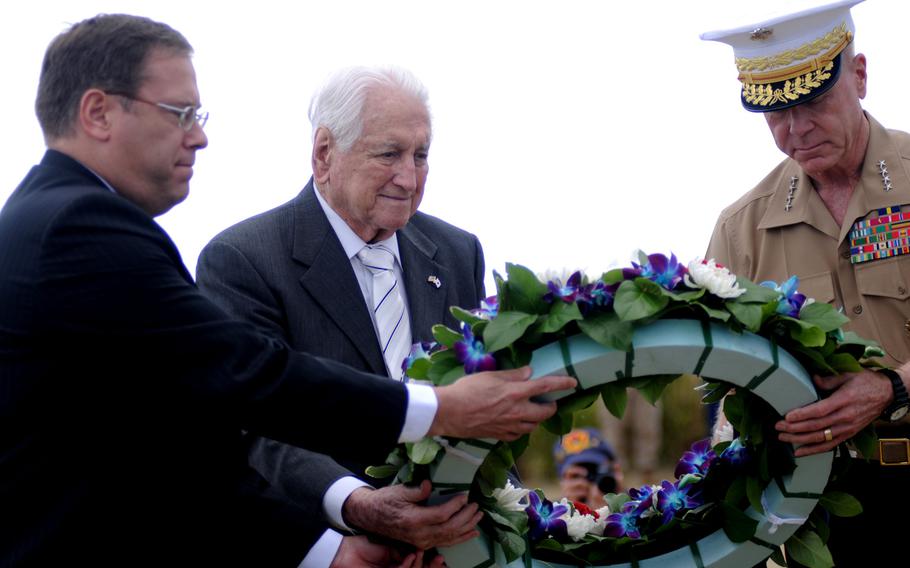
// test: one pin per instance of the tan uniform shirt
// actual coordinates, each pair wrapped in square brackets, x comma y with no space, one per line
[760,238]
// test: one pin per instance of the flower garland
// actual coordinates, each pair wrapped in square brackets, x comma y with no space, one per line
[713,483]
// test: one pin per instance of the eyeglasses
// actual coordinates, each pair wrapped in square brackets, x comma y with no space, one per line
[186,116]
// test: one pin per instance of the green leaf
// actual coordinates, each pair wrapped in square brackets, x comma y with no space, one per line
[808,334]
[721,315]
[464,315]
[807,548]
[559,424]
[754,490]
[715,392]
[505,329]
[442,367]
[495,467]
[578,401]
[450,376]
[615,398]
[750,315]
[866,441]
[446,336]
[560,314]
[755,294]
[612,276]
[519,446]
[638,299]
[825,316]
[840,504]
[525,291]
[513,545]
[419,369]
[738,526]
[423,451]
[844,363]
[607,329]
[653,387]
[382,471]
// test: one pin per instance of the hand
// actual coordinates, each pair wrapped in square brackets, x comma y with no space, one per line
[395,512]
[495,404]
[856,401]
[359,552]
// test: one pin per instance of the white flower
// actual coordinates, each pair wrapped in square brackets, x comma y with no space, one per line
[509,497]
[600,523]
[714,278]
[722,433]
[577,524]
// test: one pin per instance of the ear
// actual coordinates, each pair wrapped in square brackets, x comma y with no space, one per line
[94,118]
[323,152]
[859,72]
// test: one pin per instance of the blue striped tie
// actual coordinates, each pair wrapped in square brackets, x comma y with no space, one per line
[388,307]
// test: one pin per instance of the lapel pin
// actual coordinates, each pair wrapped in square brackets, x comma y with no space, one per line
[434,280]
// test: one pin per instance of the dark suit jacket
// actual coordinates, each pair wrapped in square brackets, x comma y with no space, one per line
[123,392]
[286,272]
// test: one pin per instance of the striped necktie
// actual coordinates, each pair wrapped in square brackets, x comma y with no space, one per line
[388,307]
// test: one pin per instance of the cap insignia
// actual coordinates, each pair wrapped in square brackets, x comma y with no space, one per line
[759,34]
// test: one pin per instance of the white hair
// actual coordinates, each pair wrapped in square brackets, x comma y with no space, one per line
[338,105]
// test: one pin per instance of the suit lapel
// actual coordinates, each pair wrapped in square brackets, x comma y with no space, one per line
[329,276]
[427,303]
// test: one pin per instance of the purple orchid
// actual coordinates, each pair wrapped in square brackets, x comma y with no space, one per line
[568,293]
[643,497]
[489,308]
[420,350]
[624,523]
[672,498]
[544,518]
[659,269]
[596,294]
[697,460]
[791,301]
[736,453]
[472,353]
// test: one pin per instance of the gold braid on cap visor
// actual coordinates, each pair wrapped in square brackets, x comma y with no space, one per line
[799,80]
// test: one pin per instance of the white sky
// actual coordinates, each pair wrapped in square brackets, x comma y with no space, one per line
[566,134]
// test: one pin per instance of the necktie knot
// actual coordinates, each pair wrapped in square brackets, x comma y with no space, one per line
[377,259]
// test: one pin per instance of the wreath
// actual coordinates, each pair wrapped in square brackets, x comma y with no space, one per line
[732,503]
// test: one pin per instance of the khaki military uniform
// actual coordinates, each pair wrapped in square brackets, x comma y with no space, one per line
[773,232]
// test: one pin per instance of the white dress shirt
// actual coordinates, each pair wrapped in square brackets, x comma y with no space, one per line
[422,402]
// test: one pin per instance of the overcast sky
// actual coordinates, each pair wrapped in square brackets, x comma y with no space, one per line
[566,134]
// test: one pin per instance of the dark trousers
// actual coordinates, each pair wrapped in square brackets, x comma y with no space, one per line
[880,535]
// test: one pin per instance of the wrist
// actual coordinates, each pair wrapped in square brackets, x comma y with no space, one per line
[354,512]
[899,405]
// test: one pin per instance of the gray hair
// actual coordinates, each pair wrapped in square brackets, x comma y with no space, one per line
[338,105]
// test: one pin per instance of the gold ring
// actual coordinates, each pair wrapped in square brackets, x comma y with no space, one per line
[828,435]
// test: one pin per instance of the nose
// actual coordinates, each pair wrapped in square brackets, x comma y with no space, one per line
[800,122]
[406,174]
[196,137]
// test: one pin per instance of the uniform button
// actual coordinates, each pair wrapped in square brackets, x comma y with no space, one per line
[845,254]
[857,310]
[901,290]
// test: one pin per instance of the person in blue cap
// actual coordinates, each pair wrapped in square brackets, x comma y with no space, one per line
[587,467]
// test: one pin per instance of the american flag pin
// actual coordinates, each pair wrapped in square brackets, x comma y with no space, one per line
[434,280]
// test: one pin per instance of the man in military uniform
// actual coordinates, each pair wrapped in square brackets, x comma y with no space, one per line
[835,213]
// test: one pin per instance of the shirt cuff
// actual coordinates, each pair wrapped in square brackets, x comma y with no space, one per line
[336,495]
[422,406]
[323,552]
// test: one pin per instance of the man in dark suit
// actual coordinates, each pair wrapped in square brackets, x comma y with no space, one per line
[123,390]
[295,272]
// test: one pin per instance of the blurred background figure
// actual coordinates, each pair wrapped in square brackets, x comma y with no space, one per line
[587,467]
